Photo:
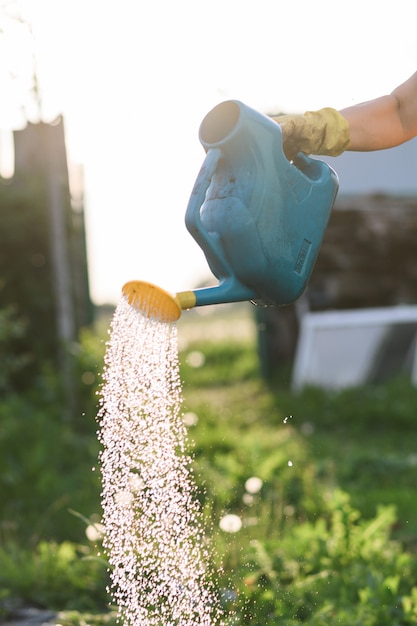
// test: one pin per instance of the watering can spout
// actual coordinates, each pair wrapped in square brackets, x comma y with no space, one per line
[154,302]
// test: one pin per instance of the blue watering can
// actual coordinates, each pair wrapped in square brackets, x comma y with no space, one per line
[259,218]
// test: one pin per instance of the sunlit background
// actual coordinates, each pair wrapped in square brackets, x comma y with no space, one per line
[133,81]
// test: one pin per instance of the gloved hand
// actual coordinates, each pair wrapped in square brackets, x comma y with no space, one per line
[323,132]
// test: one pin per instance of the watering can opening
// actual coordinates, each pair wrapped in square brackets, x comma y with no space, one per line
[219,123]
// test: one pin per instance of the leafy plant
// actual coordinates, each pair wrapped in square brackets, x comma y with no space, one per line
[55,575]
[340,565]
[306,553]
[45,469]
[12,328]
[329,536]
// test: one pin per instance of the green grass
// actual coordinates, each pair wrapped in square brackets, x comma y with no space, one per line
[330,538]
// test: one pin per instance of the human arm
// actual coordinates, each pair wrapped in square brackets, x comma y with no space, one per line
[386,121]
[380,123]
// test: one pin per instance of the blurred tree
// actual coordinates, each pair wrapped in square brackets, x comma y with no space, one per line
[12,329]
[26,274]
[43,260]
[52,310]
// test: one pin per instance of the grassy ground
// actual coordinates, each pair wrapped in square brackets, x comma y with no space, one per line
[329,537]
[306,448]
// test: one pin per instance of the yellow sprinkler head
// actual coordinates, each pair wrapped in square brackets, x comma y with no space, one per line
[152,301]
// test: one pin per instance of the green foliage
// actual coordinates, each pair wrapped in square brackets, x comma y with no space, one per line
[55,575]
[12,328]
[77,618]
[384,408]
[45,468]
[340,568]
[88,356]
[329,538]
[222,362]
[308,553]
[47,461]
[26,272]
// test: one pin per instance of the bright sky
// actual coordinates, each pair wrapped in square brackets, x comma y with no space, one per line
[134,80]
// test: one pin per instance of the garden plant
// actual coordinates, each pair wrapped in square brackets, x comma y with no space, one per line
[308,498]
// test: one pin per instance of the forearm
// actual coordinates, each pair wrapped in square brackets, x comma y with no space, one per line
[386,121]
[374,125]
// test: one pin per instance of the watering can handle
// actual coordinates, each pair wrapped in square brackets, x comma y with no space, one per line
[198,194]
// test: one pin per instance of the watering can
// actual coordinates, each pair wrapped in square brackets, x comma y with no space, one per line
[259,218]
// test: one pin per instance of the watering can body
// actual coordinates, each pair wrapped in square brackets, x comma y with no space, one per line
[259,218]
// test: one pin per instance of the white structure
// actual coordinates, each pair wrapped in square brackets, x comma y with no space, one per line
[341,349]
[390,172]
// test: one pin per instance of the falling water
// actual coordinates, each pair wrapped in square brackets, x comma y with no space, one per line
[154,535]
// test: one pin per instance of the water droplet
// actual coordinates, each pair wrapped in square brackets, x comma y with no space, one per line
[154,537]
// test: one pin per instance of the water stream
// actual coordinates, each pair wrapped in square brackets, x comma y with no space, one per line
[154,536]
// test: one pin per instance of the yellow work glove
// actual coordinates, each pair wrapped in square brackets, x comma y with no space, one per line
[315,132]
